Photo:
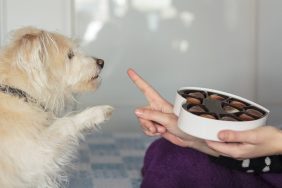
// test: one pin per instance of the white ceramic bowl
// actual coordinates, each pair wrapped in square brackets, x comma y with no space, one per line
[206,128]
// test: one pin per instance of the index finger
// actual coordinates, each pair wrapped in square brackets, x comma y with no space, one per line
[150,93]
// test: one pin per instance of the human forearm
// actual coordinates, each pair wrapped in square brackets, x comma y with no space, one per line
[263,141]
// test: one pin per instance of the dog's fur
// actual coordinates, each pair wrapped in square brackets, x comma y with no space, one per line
[35,142]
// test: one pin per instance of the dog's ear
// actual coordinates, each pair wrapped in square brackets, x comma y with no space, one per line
[32,47]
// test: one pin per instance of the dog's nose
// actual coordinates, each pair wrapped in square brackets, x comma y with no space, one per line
[100,62]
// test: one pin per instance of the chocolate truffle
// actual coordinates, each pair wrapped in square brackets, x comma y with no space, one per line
[196,109]
[197,95]
[208,116]
[216,97]
[228,118]
[254,112]
[238,104]
[230,109]
[192,100]
[246,117]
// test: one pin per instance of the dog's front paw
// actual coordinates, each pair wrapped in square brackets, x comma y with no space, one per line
[106,110]
[95,115]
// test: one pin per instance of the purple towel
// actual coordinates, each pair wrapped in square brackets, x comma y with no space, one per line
[169,166]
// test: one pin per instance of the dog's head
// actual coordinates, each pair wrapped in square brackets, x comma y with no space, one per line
[47,65]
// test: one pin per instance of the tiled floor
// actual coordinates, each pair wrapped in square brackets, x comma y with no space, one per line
[109,160]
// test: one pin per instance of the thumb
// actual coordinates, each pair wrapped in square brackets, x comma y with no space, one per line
[238,136]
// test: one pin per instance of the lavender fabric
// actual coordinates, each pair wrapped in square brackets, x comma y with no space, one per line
[169,166]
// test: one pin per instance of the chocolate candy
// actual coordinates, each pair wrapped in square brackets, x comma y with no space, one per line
[192,100]
[196,108]
[197,95]
[254,113]
[217,97]
[208,116]
[230,109]
[218,106]
[237,104]
[228,118]
[246,117]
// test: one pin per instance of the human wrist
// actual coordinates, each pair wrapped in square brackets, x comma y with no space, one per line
[279,143]
[202,146]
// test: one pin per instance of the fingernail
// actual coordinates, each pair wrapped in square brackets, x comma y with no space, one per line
[222,136]
[138,112]
[152,129]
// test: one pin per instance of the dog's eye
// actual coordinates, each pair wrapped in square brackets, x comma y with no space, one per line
[70,54]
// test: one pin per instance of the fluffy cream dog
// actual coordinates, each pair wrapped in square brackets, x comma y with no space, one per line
[39,72]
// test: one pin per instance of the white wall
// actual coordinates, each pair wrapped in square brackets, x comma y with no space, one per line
[270,52]
[1,21]
[230,45]
[269,90]
[51,15]
[172,44]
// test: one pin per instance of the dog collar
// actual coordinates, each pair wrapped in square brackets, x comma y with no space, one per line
[19,93]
